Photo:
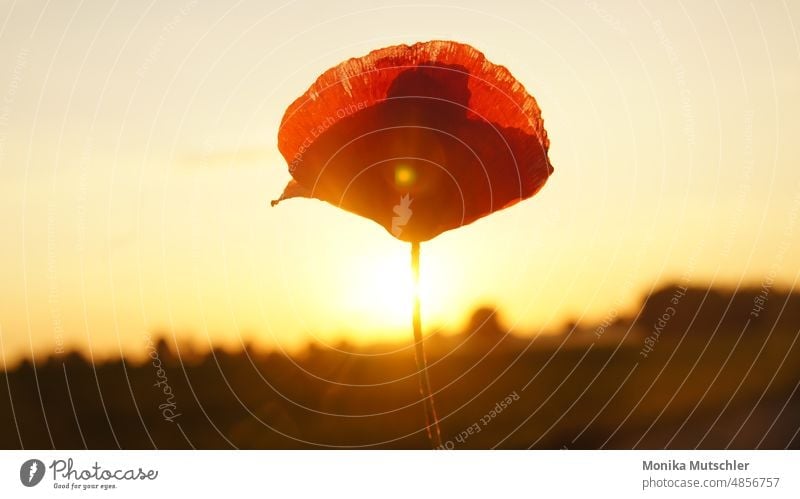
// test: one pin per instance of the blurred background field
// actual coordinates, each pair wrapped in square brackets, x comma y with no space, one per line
[718,377]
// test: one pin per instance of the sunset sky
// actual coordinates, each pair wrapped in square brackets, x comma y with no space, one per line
[138,156]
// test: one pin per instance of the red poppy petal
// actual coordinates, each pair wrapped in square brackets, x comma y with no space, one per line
[421,138]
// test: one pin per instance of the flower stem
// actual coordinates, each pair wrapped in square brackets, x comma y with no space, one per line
[431,421]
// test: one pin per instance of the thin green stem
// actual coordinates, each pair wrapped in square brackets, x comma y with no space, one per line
[431,421]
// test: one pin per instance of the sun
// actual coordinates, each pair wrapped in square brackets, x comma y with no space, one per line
[380,292]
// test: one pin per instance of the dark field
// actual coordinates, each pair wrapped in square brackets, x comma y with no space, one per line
[720,375]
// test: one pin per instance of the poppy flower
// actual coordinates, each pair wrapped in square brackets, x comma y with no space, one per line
[421,139]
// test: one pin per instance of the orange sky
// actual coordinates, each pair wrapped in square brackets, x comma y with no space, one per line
[138,157]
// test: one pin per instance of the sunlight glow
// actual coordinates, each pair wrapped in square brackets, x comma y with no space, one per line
[380,292]
[404,176]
